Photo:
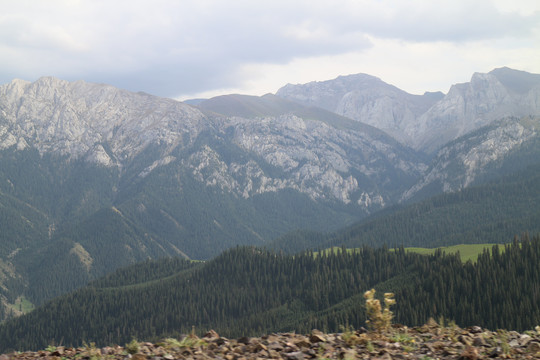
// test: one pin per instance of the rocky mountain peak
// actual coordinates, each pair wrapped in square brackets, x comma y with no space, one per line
[364,98]
[429,121]
[328,94]
[518,81]
[77,118]
[470,106]
[14,89]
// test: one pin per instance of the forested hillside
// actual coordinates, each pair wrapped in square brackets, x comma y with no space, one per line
[93,178]
[490,213]
[249,291]
[66,223]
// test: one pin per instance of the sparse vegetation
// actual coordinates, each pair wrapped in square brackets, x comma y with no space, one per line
[379,319]
[133,347]
[402,338]
[352,338]
[90,351]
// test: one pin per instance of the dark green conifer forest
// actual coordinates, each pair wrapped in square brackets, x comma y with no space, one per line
[251,291]
[489,213]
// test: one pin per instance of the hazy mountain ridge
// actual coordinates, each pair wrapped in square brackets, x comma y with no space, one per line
[425,122]
[364,98]
[470,106]
[110,127]
[463,161]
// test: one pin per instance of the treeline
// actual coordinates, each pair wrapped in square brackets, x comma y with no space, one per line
[500,290]
[249,291]
[145,271]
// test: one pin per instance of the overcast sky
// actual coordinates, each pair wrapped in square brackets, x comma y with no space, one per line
[201,48]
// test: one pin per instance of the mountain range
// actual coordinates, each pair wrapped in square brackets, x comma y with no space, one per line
[425,122]
[93,177]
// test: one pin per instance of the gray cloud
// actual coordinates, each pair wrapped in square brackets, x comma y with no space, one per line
[453,22]
[170,48]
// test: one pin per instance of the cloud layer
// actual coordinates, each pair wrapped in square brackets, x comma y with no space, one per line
[179,48]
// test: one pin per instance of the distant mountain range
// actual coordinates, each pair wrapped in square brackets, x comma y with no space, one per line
[429,121]
[93,178]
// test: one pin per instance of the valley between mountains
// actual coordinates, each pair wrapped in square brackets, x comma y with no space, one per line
[95,178]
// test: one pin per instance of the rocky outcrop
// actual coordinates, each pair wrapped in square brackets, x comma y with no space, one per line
[460,163]
[427,342]
[475,104]
[366,99]
[425,122]
[101,123]
[320,159]
[111,127]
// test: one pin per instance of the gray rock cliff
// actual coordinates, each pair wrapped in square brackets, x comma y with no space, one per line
[425,122]
[366,99]
[328,161]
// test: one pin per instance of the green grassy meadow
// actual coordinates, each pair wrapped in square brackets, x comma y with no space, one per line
[466,251]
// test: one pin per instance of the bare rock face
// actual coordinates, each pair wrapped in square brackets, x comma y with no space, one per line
[366,99]
[470,106]
[316,156]
[426,122]
[104,124]
[461,162]
[312,157]
[110,127]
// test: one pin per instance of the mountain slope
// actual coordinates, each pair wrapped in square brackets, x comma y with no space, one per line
[320,148]
[491,212]
[99,123]
[97,177]
[364,98]
[425,122]
[504,146]
[486,98]
[247,291]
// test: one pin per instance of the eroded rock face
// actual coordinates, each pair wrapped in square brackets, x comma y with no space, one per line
[470,106]
[366,99]
[78,118]
[425,122]
[458,164]
[312,157]
[111,127]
